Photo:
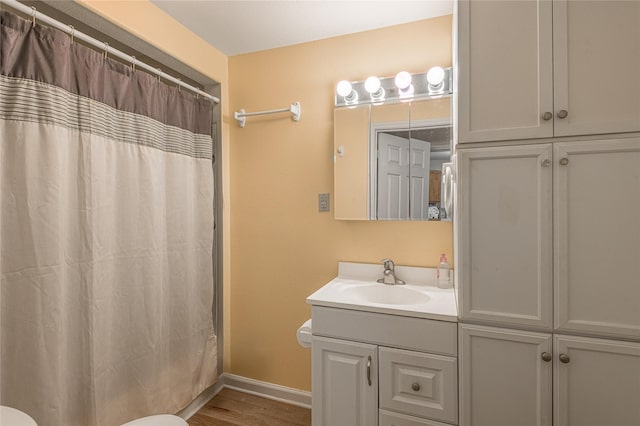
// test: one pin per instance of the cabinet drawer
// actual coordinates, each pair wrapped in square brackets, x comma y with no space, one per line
[418,384]
[387,330]
[387,418]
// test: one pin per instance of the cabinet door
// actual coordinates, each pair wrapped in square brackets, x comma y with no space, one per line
[598,384]
[596,48]
[505,235]
[505,70]
[344,383]
[503,379]
[597,237]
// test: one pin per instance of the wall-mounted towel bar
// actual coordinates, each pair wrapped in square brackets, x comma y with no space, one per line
[295,109]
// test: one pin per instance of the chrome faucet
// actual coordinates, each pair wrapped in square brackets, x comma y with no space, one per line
[389,273]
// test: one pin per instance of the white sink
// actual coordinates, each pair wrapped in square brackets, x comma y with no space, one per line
[356,288]
[383,294]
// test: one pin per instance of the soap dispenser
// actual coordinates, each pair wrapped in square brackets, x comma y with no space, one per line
[443,272]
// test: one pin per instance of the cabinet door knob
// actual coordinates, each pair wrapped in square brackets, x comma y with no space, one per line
[564,161]
[369,370]
[547,116]
[562,113]
[415,387]
[564,358]
[546,162]
[546,356]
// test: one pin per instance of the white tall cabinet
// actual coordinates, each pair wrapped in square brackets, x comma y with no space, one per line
[542,68]
[548,202]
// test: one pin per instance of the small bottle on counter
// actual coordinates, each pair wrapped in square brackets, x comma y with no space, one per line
[443,273]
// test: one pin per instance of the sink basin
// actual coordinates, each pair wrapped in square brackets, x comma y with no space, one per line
[356,288]
[383,294]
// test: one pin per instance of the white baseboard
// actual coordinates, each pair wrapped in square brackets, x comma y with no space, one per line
[268,390]
[201,400]
[254,387]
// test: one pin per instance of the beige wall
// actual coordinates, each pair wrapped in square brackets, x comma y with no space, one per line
[282,248]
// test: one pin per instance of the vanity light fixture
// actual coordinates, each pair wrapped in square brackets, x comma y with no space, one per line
[404,87]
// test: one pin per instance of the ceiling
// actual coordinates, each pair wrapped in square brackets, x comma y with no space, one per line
[242,26]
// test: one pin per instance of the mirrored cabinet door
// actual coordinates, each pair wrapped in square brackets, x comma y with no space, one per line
[351,162]
[389,157]
[389,160]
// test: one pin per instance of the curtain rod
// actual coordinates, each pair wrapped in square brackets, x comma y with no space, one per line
[38,16]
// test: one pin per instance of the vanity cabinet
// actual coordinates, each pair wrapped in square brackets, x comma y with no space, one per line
[549,236]
[512,377]
[537,68]
[377,369]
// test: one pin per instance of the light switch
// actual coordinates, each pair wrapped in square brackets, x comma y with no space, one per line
[323,202]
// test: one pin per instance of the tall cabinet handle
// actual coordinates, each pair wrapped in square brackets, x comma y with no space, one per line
[369,370]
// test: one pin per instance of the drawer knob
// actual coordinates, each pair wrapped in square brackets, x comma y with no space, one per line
[564,358]
[546,356]
[415,387]
[563,113]
[547,116]
[564,161]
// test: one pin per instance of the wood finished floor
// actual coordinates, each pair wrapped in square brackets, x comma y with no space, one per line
[233,408]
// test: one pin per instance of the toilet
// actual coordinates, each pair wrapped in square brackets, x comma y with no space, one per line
[159,420]
[12,417]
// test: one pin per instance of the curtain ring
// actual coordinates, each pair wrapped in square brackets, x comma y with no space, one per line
[133,64]
[33,16]
[106,51]
[179,86]
[158,74]
[73,32]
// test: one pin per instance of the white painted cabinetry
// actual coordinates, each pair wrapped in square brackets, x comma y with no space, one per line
[505,273]
[345,383]
[596,382]
[504,379]
[538,68]
[597,237]
[507,375]
[401,371]
[506,233]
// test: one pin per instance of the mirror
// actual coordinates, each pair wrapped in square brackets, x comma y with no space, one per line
[389,160]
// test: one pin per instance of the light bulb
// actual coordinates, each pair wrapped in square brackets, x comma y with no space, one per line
[435,76]
[344,88]
[372,84]
[403,80]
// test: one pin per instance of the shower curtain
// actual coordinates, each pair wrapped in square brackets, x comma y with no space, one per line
[106,235]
